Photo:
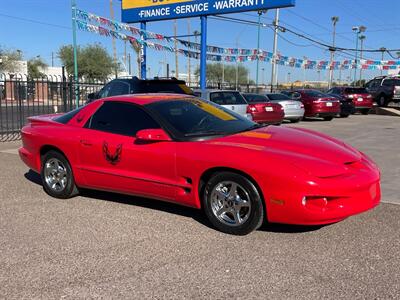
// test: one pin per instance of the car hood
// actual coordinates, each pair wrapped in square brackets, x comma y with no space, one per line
[314,152]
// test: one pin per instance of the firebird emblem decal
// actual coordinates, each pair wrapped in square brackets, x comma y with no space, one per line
[112,158]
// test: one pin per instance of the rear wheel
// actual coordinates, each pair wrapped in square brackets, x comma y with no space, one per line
[328,118]
[57,178]
[365,111]
[233,204]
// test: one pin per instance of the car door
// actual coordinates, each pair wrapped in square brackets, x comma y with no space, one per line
[230,100]
[372,87]
[112,158]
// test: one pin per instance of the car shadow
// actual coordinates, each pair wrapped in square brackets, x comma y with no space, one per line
[171,208]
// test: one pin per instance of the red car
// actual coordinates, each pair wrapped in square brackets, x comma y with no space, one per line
[317,104]
[362,100]
[192,152]
[263,111]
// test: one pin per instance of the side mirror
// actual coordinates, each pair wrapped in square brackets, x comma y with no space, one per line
[153,135]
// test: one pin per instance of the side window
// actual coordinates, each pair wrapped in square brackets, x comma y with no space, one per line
[227,98]
[296,95]
[217,98]
[119,88]
[105,91]
[121,118]
[197,94]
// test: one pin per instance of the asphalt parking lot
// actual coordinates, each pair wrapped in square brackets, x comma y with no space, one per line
[103,245]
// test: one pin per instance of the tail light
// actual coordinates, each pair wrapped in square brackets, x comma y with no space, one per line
[301,105]
[251,109]
[396,90]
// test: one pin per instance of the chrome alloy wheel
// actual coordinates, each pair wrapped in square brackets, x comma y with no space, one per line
[55,174]
[230,203]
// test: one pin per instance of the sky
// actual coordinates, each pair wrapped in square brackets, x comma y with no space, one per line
[40,27]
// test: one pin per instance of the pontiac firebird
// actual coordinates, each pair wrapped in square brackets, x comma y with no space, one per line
[195,153]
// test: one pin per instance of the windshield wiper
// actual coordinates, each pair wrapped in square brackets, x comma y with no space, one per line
[205,133]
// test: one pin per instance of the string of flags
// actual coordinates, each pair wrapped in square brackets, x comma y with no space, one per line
[92,23]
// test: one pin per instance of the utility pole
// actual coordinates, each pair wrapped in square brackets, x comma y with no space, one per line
[196,34]
[129,64]
[189,62]
[113,39]
[176,49]
[332,50]
[304,73]
[362,38]
[383,50]
[275,51]
[52,59]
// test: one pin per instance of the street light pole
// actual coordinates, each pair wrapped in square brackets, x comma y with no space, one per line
[362,38]
[357,30]
[260,12]
[383,50]
[332,50]
[73,7]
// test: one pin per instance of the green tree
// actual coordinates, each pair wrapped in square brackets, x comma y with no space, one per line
[93,61]
[9,60]
[215,71]
[35,66]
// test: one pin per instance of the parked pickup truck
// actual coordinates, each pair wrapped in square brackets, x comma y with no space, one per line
[384,89]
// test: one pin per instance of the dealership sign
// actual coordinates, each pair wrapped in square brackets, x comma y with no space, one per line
[154,10]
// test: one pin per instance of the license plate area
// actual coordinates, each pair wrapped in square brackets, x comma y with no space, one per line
[269,109]
[329,104]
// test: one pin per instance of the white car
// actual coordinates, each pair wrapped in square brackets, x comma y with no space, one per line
[232,100]
[294,109]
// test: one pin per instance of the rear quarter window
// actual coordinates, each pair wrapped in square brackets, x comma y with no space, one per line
[65,118]
[227,98]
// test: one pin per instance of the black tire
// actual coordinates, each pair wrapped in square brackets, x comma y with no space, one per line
[62,191]
[382,101]
[295,121]
[344,115]
[254,213]
[365,112]
[328,118]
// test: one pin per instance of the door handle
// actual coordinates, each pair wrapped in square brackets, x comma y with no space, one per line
[86,143]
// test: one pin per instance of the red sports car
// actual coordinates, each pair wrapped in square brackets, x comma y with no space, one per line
[263,111]
[317,104]
[363,101]
[181,149]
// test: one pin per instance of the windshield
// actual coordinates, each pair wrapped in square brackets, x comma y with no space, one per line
[195,118]
[254,98]
[278,97]
[315,94]
[355,91]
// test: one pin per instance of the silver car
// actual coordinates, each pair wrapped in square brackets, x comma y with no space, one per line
[294,109]
[232,100]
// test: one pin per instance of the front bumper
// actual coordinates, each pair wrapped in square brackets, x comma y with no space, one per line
[325,201]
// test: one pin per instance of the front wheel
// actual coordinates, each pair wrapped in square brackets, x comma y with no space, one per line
[328,118]
[382,101]
[233,204]
[57,178]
